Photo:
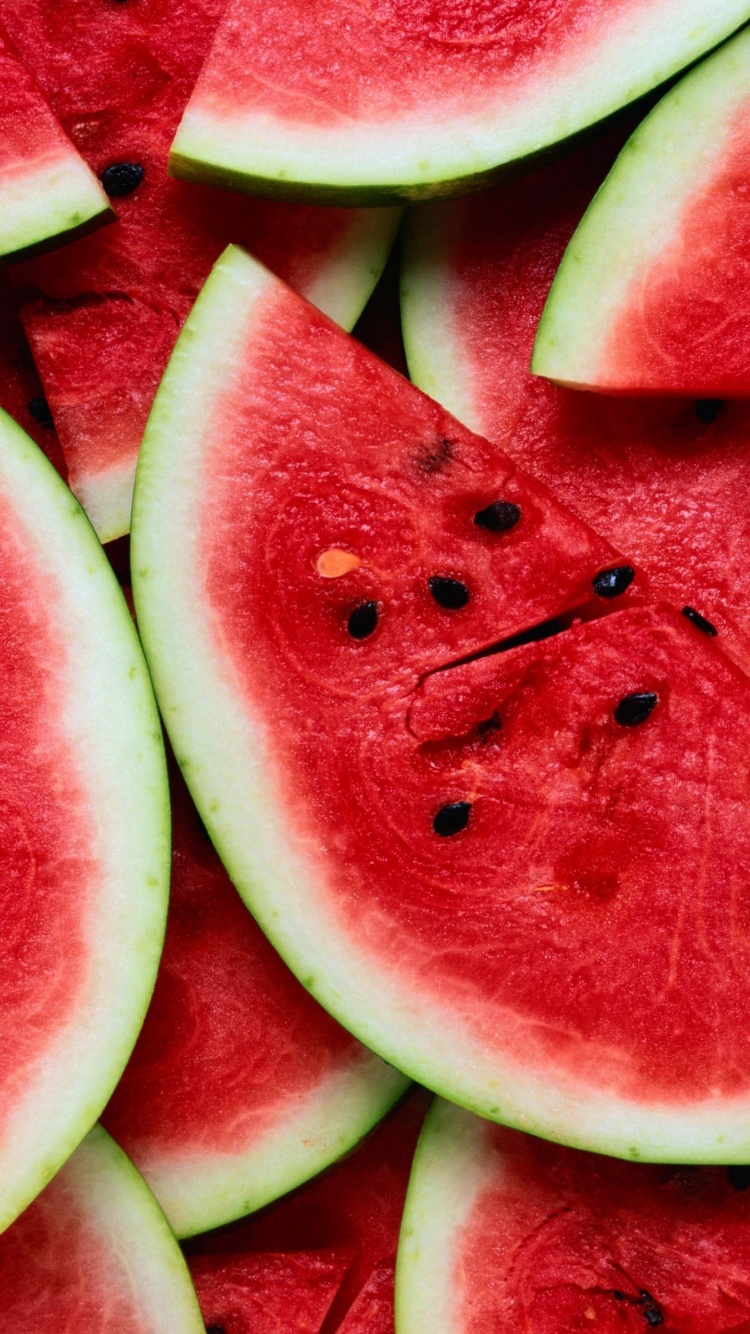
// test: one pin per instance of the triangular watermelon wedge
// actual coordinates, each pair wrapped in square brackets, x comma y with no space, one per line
[402,100]
[502,1231]
[651,293]
[84,825]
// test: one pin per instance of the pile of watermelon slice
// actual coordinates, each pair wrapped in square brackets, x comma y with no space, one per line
[375,818]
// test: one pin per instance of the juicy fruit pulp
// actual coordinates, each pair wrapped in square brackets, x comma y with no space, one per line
[650,295]
[397,100]
[264,1294]
[506,1233]
[83,825]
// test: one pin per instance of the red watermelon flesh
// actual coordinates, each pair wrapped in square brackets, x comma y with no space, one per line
[240,1086]
[21,393]
[372,1312]
[109,309]
[267,1294]
[508,1233]
[663,478]
[356,1209]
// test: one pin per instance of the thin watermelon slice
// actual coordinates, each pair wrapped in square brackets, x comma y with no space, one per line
[102,318]
[264,1294]
[240,1086]
[428,811]
[651,293]
[47,192]
[505,1232]
[94,1254]
[663,478]
[403,100]
[83,825]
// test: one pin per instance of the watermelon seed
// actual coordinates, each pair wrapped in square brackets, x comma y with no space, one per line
[739,1177]
[634,709]
[451,819]
[215,1329]
[39,409]
[121,178]
[651,1309]
[492,724]
[498,517]
[448,593]
[363,620]
[611,583]
[708,409]
[700,621]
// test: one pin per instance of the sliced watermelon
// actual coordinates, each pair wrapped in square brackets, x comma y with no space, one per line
[102,318]
[240,1086]
[265,1294]
[372,1312]
[94,1254]
[409,834]
[651,293]
[397,99]
[21,393]
[47,192]
[84,822]
[505,1232]
[663,478]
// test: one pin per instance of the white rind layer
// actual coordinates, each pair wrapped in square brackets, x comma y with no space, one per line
[205,1189]
[146,1270]
[353,160]
[634,219]
[453,1165]
[48,199]
[109,718]
[225,754]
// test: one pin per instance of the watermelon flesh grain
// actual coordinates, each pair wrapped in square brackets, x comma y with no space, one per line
[264,1294]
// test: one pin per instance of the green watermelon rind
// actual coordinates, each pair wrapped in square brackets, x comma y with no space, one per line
[113,724]
[201,1190]
[403,160]
[56,202]
[225,759]
[120,1209]
[633,220]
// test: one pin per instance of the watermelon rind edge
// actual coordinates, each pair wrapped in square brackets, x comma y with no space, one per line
[55,203]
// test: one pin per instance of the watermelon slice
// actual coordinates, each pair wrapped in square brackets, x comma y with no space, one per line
[47,192]
[83,825]
[504,1232]
[265,1294]
[93,1254]
[240,1087]
[430,810]
[102,318]
[663,478]
[650,296]
[21,393]
[372,1312]
[398,99]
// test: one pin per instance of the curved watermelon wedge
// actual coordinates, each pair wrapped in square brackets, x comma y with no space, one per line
[651,293]
[94,1254]
[240,1086]
[663,478]
[47,192]
[432,807]
[84,823]
[403,100]
[505,1232]
[264,1294]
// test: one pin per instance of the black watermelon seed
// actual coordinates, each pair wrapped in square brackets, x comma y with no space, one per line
[634,709]
[452,819]
[651,1309]
[363,620]
[449,593]
[498,517]
[39,409]
[611,583]
[739,1177]
[492,724]
[700,621]
[215,1329]
[708,409]
[122,178]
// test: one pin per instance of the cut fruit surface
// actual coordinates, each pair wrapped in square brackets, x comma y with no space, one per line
[264,1294]
[103,318]
[664,479]
[84,823]
[651,293]
[240,1086]
[504,1234]
[47,192]
[94,1253]
[397,100]
[428,812]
